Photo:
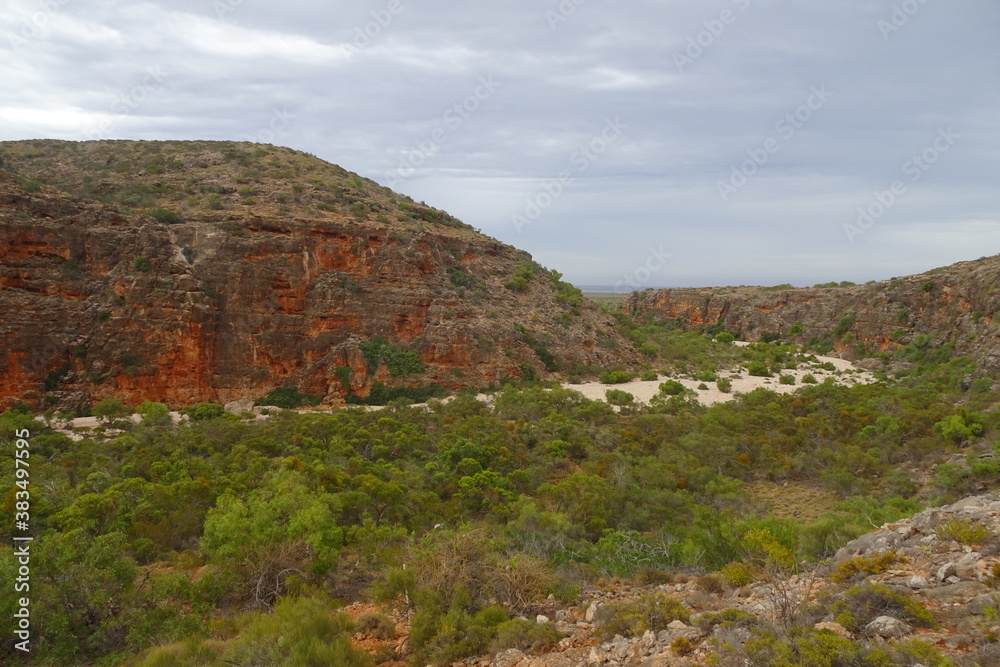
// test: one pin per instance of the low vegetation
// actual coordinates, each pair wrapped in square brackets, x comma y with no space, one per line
[228,539]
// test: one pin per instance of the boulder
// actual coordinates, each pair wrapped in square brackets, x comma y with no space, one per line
[887,627]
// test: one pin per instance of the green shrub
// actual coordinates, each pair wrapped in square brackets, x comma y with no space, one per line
[522,276]
[876,563]
[649,612]
[401,363]
[288,398]
[725,338]
[843,326]
[963,531]
[110,409]
[614,377]
[619,397]
[671,388]
[166,216]
[649,376]
[204,411]
[758,369]
[739,573]
[725,385]
[808,378]
[958,428]
[382,395]
[141,264]
[726,618]
[525,635]
[795,329]
[786,379]
[868,601]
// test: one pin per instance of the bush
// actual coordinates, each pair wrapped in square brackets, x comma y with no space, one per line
[649,376]
[725,385]
[649,612]
[795,329]
[876,563]
[166,216]
[619,397]
[288,398]
[808,378]
[525,635]
[963,531]
[375,625]
[758,369]
[204,411]
[739,573]
[110,409]
[401,363]
[671,388]
[725,338]
[787,379]
[522,276]
[141,264]
[843,326]
[615,377]
[867,602]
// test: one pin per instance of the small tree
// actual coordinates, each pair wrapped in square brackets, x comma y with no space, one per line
[110,409]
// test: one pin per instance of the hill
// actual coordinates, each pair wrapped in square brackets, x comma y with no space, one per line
[952,309]
[186,272]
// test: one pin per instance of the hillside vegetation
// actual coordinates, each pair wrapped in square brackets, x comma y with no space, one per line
[218,536]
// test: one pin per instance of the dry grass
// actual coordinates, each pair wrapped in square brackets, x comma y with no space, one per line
[792,500]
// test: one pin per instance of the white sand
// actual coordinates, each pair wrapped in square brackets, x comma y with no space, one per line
[845,374]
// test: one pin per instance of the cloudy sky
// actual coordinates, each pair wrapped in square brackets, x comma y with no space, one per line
[638,143]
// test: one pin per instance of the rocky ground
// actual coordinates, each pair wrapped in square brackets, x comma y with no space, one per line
[955,580]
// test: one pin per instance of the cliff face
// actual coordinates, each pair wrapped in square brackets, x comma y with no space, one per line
[955,304]
[238,292]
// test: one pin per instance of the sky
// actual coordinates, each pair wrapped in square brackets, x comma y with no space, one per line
[644,143]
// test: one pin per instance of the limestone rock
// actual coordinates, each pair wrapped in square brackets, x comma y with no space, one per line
[508,658]
[835,628]
[887,627]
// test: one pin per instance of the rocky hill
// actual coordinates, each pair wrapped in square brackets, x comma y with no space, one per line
[955,305]
[895,597]
[184,272]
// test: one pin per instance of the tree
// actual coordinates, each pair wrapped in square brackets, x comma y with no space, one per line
[282,529]
[110,409]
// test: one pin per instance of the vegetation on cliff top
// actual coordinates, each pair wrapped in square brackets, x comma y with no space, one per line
[212,181]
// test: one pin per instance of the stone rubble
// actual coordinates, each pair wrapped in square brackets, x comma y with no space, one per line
[954,581]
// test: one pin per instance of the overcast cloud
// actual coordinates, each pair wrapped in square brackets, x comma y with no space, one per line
[657,143]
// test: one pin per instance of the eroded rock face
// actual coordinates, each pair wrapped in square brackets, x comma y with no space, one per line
[955,304]
[95,304]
